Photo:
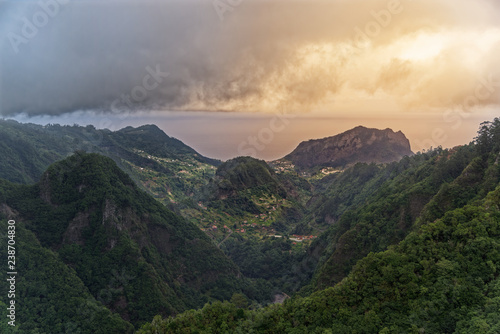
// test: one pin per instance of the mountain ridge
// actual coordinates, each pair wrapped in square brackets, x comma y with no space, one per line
[32,148]
[360,144]
[93,218]
[412,248]
[99,223]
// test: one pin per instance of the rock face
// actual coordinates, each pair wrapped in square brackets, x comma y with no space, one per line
[356,145]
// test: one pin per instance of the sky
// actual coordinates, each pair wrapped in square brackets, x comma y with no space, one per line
[254,77]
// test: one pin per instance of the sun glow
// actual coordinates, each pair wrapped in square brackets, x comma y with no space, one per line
[424,46]
[421,47]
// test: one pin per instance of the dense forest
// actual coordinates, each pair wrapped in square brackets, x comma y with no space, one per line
[442,277]
[99,234]
[155,238]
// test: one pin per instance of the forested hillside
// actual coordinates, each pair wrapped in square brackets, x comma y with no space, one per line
[87,232]
[441,278]
[164,166]
[250,167]
[395,199]
[368,248]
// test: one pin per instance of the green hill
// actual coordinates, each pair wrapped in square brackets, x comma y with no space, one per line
[392,201]
[442,277]
[249,210]
[50,297]
[404,246]
[238,182]
[114,242]
[164,166]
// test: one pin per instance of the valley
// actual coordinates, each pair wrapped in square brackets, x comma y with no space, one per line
[195,230]
[250,167]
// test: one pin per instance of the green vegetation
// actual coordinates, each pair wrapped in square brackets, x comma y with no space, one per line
[252,214]
[246,198]
[50,297]
[389,203]
[404,247]
[115,243]
[185,179]
[412,248]
[273,260]
[443,278]
[156,161]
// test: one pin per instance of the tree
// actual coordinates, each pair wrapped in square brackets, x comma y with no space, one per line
[239,300]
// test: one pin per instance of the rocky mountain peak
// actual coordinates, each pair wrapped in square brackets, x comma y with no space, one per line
[359,144]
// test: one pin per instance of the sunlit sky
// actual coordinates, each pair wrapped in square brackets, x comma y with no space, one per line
[216,74]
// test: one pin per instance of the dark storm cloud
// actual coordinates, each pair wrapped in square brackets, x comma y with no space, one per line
[103,55]
[90,53]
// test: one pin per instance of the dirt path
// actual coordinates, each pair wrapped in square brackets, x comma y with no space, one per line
[227,236]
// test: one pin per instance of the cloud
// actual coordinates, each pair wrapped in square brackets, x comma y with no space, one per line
[262,56]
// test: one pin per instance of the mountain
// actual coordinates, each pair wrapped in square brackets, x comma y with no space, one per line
[248,189]
[356,145]
[113,242]
[245,201]
[390,202]
[49,295]
[244,174]
[401,246]
[32,148]
[412,247]
[442,278]
[151,139]
[247,208]
[164,166]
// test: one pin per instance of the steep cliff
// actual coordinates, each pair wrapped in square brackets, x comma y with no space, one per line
[356,145]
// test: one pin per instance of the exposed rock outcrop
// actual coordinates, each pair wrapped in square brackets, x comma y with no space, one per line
[356,145]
